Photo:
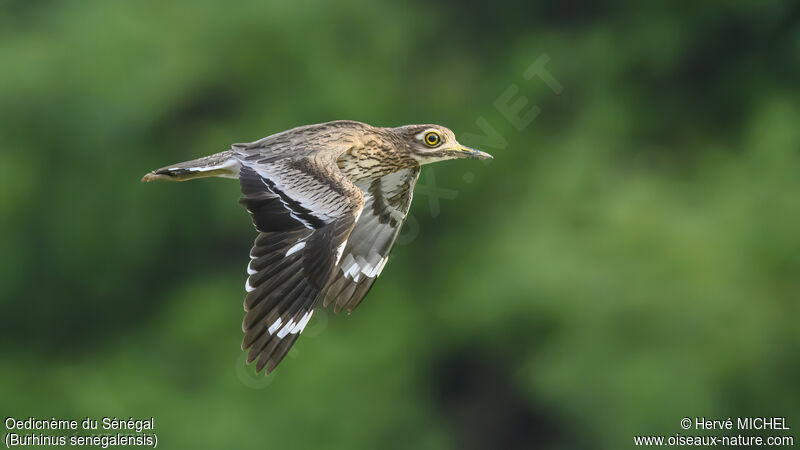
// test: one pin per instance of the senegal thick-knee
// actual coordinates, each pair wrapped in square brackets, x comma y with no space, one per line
[328,201]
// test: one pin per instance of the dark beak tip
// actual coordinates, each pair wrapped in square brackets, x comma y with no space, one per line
[475,153]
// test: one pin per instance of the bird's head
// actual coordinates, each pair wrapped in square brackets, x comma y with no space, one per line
[432,143]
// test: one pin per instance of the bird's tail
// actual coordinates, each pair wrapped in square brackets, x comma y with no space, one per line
[218,165]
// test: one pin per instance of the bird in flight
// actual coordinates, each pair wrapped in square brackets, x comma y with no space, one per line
[328,201]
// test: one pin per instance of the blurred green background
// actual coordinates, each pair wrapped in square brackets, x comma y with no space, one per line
[630,258]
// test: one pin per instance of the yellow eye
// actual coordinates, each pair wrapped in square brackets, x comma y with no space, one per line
[432,138]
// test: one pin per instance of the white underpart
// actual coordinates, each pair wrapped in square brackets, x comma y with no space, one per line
[275,325]
[247,286]
[296,247]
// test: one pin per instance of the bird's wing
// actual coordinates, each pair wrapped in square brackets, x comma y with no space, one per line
[304,210]
[386,203]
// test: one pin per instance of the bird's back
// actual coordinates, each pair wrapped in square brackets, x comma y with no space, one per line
[362,152]
[304,141]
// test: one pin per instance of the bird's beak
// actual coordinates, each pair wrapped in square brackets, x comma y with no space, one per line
[473,153]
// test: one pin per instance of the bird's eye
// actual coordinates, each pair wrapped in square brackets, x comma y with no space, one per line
[432,138]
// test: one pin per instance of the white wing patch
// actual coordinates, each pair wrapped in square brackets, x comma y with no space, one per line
[296,247]
[275,325]
[285,330]
[291,326]
[355,267]
[303,322]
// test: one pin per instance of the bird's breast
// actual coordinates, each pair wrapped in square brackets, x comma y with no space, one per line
[366,163]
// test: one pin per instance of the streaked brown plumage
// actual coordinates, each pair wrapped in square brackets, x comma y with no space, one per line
[328,201]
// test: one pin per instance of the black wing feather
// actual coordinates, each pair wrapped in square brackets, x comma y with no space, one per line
[292,259]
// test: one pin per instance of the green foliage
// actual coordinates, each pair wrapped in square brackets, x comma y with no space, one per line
[628,259]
